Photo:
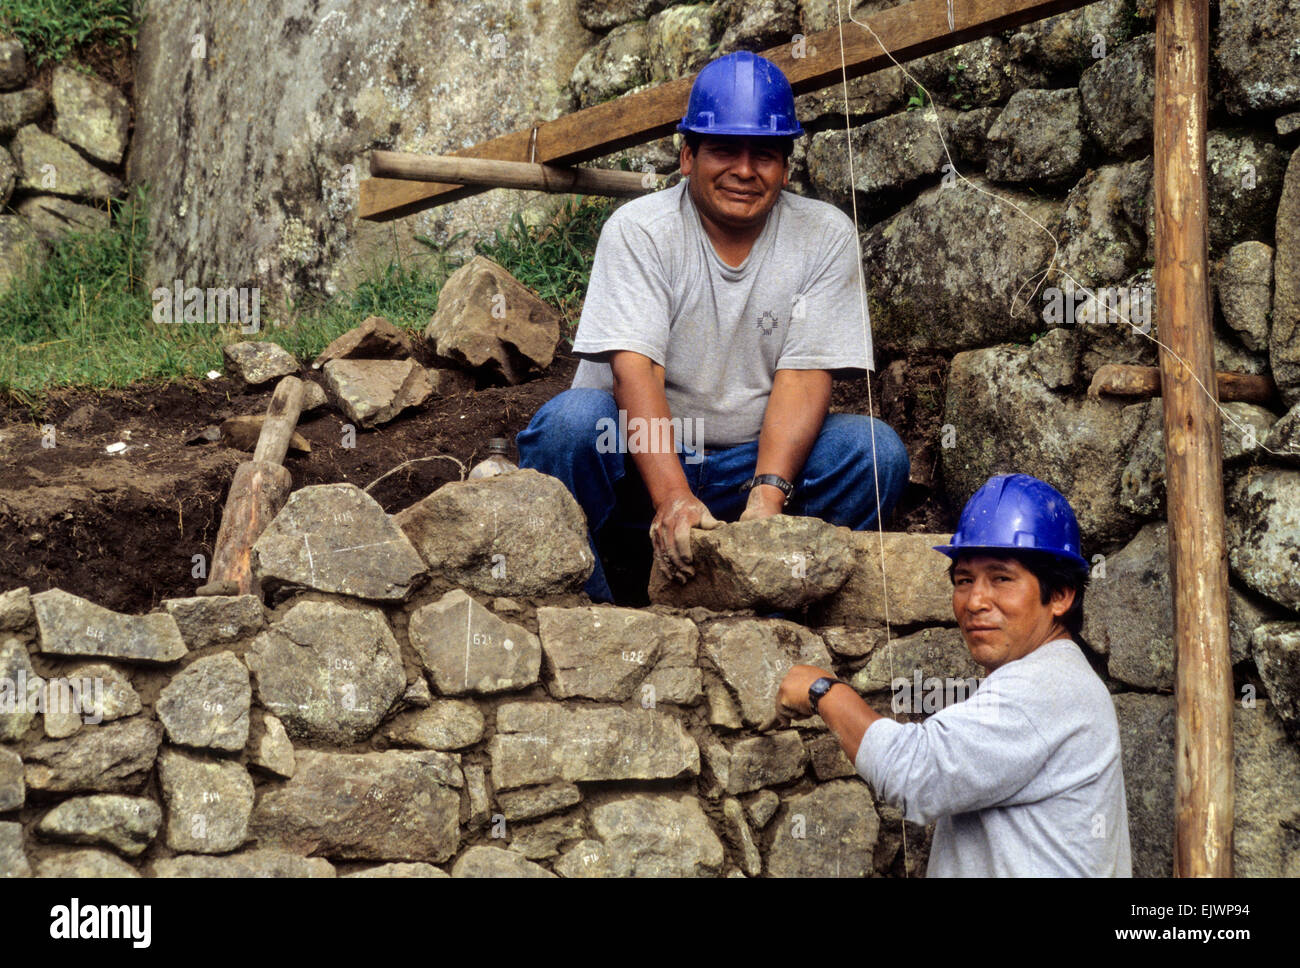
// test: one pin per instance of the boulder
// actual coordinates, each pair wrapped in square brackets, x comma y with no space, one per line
[91,114]
[1263,521]
[757,761]
[781,562]
[830,832]
[1254,48]
[16,613]
[519,533]
[918,589]
[113,758]
[752,656]
[1146,741]
[647,835]
[543,742]
[1244,282]
[890,156]
[615,654]
[1244,172]
[127,824]
[375,339]
[616,64]
[1102,229]
[977,73]
[757,26]
[467,649]
[373,392]
[680,40]
[53,218]
[393,806]
[1076,39]
[1118,94]
[495,862]
[336,538]
[208,802]
[72,626]
[1007,421]
[488,319]
[986,254]
[329,672]
[206,705]
[21,108]
[1038,139]
[1276,647]
[255,363]
[46,164]
[207,620]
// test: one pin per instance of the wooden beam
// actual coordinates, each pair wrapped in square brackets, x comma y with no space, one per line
[1203,780]
[1125,380]
[908,31]
[490,173]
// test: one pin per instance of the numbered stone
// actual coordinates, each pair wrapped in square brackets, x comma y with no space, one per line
[336,538]
[127,824]
[216,619]
[543,742]
[394,806]
[373,392]
[112,758]
[610,653]
[467,649]
[208,802]
[830,832]
[495,862]
[206,704]
[330,673]
[70,625]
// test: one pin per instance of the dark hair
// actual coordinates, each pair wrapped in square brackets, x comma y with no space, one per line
[693,139]
[1053,574]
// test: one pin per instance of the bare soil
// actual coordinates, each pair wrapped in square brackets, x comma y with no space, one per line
[122,530]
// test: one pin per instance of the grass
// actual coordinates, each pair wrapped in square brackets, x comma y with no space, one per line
[86,319]
[51,30]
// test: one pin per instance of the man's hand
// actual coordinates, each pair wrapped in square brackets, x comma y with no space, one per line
[670,532]
[764,502]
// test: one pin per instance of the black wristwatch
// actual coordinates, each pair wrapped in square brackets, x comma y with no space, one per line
[820,688]
[776,480]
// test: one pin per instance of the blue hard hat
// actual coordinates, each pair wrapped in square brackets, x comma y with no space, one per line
[1016,512]
[742,94]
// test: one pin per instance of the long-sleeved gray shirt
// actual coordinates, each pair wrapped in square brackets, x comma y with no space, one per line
[1024,777]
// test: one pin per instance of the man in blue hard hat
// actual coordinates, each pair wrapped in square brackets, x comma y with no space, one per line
[1024,777]
[717,314]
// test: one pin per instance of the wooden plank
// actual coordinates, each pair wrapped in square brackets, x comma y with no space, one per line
[908,31]
[491,173]
[1198,572]
[1125,380]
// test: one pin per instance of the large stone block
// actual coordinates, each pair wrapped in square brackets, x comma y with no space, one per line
[830,832]
[116,758]
[70,625]
[752,656]
[467,649]
[647,835]
[208,802]
[206,704]
[918,590]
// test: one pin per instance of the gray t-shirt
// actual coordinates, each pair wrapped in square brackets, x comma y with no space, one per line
[721,332]
[1024,777]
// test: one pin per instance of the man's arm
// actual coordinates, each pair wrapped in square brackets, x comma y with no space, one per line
[796,409]
[639,390]
[842,709]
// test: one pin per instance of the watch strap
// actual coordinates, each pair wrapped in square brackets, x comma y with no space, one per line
[819,688]
[776,480]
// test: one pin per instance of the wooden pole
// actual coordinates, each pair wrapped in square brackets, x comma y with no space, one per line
[490,173]
[1203,781]
[909,30]
[1126,380]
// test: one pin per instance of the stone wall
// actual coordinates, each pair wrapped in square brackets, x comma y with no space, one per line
[428,693]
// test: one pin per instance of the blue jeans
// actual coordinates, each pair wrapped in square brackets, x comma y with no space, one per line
[836,483]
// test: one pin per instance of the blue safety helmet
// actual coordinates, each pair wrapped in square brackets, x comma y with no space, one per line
[1016,512]
[742,94]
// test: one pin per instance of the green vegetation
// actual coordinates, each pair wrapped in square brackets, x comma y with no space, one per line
[50,30]
[86,319]
[917,100]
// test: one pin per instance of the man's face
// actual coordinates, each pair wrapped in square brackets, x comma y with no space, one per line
[735,182]
[998,606]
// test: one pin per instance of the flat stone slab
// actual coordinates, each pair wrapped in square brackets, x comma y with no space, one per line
[785,561]
[255,362]
[208,802]
[375,339]
[263,862]
[70,625]
[538,801]
[543,742]
[216,619]
[467,649]
[393,806]
[614,654]
[336,538]
[112,758]
[446,724]
[127,824]
[374,392]
[329,672]
[206,704]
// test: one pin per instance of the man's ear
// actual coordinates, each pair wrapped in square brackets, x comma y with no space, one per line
[1062,601]
[686,159]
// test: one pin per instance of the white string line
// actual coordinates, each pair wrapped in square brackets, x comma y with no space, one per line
[871,423]
[1056,245]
